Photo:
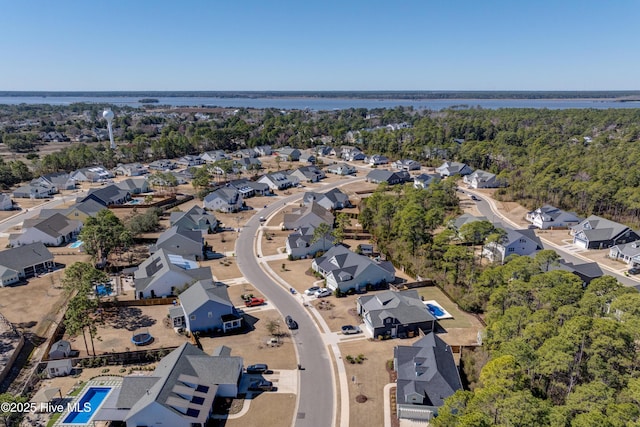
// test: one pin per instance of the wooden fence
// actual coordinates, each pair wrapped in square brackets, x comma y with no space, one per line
[141,302]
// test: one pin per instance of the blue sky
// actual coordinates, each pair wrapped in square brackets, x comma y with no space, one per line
[319,45]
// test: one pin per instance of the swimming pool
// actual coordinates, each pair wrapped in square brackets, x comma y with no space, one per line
[76,244]
[435,310]
[87,406]
[103,289]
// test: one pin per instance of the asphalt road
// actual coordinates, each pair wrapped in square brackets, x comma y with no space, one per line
[485,209]
[316,398]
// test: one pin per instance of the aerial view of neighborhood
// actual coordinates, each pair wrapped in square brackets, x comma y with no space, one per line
[319,213]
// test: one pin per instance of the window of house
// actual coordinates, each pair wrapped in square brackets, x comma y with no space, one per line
[192,317]
[511,250]
[210,314]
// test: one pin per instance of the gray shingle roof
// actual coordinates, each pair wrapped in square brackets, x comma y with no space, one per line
[342,262]
[406,306]
[55,226]
[596,228]
[202,292]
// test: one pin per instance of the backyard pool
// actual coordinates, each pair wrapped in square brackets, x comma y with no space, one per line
[103,289]
[435,310]
[76,244]
[87,406]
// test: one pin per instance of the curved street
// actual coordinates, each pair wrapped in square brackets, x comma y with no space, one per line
[316,400]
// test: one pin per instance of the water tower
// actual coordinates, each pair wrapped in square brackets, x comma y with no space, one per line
[108,115]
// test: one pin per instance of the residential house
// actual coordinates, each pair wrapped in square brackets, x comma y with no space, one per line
[344,269]
[131,169]
[516,242]
[178,393]
[162,165]
[163,272]
[35,190]
[427,374]
[59,368]
[342,169]
[586,271]
[225,199]
[248,188]
[59,350]
[79,211]
[56,230]
[184,176]
[353,154]
[245,152]
[463,219]
[395,314]
[247,164]
[323,150]
[482,179]
[626,252]
[598,233]
[205,306]
[195,218]
[307,174]
[23,262]
[376,159]
[288,154]
[108,195]
[331,200]
[301,244]
[378,176]
[312,214]
[453,168]
[276,181]
[59,180]
[214,156]
[134,185]
[188,161]
[406,165]
[263,150]
[181,241]
[307,157]
[6,204]
[551,217]
[91,174]
[424,180]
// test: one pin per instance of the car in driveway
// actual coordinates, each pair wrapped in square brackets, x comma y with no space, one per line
[312,290]
[261,385]
[258,368]
[291,324]
[253,302]
[324,292]
[350,330]
[634,270]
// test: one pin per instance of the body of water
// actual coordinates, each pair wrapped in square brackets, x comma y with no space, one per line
[319,104]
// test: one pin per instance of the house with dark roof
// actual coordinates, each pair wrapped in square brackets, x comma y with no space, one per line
[342,169]
[190,160]
[131,169]
[312,214]
[23,262]
[178,393]
[586,271]
[516,242]
[205,306]
[406,165]
[108,195]
[180,241]
[308,174]
[6,204]
[626,252]
[195,218]
[598,233]
[453,168]
[427,374]
[162,165]
[248,188]
[344,269]
[276,181]
[378,176]
[288,154]
[163,272]
[55,230]
[331,200]
[395,314]
[225,199]
[263,150]
[376,159]
[300,243]
[424,180]
[549,216]
[307,156]
[134,185]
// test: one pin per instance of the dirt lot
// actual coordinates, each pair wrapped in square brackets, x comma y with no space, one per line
[276,242]
[266,410]
[295,273]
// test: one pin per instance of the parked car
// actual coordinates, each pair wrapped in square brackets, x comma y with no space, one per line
[634,270]
[252,302]
[261,385]
[262,219]
[291,324]
[475,198]
[259,368]
[324,292]
[312,290]
[350,329]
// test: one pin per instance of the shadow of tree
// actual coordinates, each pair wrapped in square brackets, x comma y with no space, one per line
[129,318]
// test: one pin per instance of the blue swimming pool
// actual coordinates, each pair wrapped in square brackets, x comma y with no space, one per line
[103,289]
[76,244]
[435,310]
[87,406]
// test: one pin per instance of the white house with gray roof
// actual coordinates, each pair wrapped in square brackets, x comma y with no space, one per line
[163,272]
[308,174]
[276,181]
[180,241]
[342,169]
[55,230]
[453,168]
[626,252]
[134,185]
[312,214]
[427,374]
[395,314]
[91,174]
[331,200]
[300,243]
[35,190]
[288,154]
[516,242]
[482,179]
[23,262]
[205,306]
[598,233]
[225,199]
[179,392]
[549,216]
[406,165]
[424,180]
[344,269]
[195,218]
[131,169]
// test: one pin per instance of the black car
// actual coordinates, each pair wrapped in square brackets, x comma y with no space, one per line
[261,385]
[634,270]
[475,198]
[259,368]
[291,324]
